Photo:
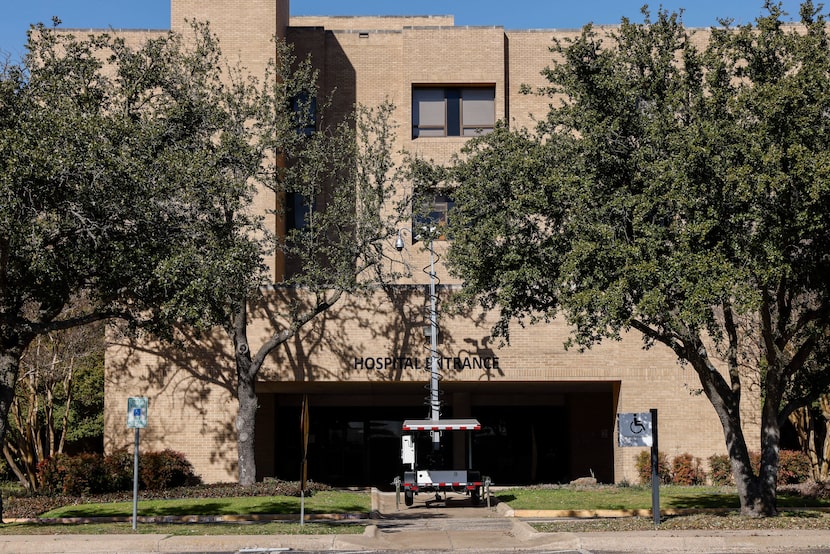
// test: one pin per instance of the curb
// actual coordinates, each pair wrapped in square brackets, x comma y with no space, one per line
[592,514]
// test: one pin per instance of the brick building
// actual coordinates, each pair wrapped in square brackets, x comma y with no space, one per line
[548,414]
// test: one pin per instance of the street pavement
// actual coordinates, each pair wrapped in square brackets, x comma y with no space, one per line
[452,526]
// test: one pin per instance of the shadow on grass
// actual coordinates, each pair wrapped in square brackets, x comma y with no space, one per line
[732,501]
[212,507]
[703,501]
[187,529]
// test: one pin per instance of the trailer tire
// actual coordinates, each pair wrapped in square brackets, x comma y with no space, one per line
[408,498]
[475,495]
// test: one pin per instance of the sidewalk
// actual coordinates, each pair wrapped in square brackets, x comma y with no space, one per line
[456,526]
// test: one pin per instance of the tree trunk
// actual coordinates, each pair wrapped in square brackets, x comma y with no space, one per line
[21,477]
[9,366]
[824,403]
[248,365]
[11,350]
[756,495]
[247,399]
[245,428]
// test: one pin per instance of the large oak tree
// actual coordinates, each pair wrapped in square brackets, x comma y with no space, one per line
[115,163]
[677,191]
[127,175]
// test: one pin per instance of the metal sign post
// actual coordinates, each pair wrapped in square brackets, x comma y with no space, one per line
[655,470]
[136,419]
[640,429]
[304,465]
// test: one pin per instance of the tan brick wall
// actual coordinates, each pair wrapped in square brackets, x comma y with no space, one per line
[191,407]
[369,60]
[370,23]
[196,416]
[245,28]
[528,55]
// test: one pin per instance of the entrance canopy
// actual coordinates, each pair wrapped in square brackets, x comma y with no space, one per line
[441,425]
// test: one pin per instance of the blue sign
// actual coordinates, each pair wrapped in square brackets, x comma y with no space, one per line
[137,412]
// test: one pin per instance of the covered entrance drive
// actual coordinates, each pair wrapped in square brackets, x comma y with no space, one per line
[531,432]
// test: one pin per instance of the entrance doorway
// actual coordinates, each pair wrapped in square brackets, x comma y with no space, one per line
[527,438]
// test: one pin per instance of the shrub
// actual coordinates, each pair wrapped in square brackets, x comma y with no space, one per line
[165,470]
[50,473]
[93,474]
[687,470]
[793,467]
[720,470]
[643,463]
[84,475]
[119,469]
[73,475]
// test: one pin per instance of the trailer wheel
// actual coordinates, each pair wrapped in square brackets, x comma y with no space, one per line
[475,495]
[408,498]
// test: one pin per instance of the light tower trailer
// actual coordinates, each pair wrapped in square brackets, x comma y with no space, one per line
[437,480]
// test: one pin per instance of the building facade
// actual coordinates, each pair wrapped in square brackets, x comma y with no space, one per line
[548,414]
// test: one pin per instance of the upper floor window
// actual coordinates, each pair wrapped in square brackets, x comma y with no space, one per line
[298,209]
[304,106]
[453,111]
[431,216]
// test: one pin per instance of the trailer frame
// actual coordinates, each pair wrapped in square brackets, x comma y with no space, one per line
[432,480]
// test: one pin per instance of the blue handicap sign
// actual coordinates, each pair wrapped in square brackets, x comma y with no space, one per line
[137,412]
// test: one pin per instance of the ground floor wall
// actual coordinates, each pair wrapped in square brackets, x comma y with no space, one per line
[548,414]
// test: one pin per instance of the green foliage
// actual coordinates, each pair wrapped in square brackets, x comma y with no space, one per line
[680,192]
[324,502]
[165,470]
[88,153]
[720,470]
[86,416]
[59,403]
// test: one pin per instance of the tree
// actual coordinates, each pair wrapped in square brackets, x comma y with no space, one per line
[811,420]
[344,176]
[677,192]
[59,399]
[814,444]
[279,136]
[129,175]
[111,157]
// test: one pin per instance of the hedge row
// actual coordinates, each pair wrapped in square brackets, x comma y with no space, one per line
[793,468]
[95,474]
[685,469]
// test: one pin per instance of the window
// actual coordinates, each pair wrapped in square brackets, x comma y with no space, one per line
[432,218]
[453,111]
[304,107]
[297,210]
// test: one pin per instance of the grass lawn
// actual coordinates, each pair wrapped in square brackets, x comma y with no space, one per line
[271,528]
[348,502]
[323,502]
[636,498]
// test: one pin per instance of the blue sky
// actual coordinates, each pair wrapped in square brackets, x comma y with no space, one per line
[17,15]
